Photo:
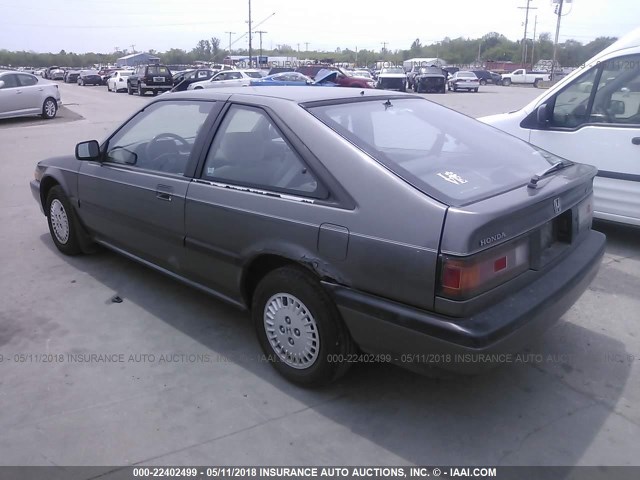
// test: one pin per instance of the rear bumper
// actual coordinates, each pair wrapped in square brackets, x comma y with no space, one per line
[417,338]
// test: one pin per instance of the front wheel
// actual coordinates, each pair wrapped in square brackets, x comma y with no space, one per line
[506,82]
[140,91]
[60,217]
[299,327]
[49,108]
[129,89]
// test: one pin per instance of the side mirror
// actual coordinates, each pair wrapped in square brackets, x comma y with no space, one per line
[542,115]
[88,150]
[616,107]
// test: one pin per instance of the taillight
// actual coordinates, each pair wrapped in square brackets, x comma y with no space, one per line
[465,277]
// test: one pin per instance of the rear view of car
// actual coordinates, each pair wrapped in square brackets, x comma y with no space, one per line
[464,81]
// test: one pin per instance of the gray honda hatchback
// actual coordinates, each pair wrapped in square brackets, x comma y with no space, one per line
[355,226]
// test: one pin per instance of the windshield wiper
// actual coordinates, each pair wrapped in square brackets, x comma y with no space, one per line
[533,183]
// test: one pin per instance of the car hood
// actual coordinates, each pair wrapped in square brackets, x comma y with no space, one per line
[326,75]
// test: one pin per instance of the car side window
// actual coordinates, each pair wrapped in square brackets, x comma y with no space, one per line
[617,99]
[27,80]
[10,81]
[570,109]
[248,149]
[161,137]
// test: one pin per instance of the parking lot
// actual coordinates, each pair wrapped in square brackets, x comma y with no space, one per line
[170,376]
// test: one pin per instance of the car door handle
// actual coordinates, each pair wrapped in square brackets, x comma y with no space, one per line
[635,140]
[164,192]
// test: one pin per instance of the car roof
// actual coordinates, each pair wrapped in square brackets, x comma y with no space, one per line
[296,94]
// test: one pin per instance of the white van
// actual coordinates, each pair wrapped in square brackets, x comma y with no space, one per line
[593,116]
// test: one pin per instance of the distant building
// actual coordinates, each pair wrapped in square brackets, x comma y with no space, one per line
[137,59]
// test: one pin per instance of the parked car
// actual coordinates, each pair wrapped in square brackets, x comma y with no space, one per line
[463,80]
[181,82]
[47,71]
[56,74]
[283,79]
[485,76]
[430,80]
[362,74]
[71,76]
[342,77]
[227,78]
[523,76]
[392,78]
[345,222]
[593,116]
[89,77]
[117,81]
[23,94]
[154,78]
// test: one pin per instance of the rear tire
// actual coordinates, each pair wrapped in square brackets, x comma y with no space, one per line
[483,82]
[299,327]
[536,83]
[61,220]
[129,89]
[140,91]
[49,108]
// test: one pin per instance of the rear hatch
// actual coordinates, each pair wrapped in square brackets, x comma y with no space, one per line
[513,209]
[493,247]
[158,75]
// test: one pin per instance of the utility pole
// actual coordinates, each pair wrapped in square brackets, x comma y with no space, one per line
[230,33]
[306,46]
[524,39]
[533,47]
[298,49]
[133,48]
[384,48]
[260,32]
[250,50]
[555,43]
[356,56]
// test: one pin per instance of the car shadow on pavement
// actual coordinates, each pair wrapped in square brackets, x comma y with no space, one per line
[64,115]
[545,408]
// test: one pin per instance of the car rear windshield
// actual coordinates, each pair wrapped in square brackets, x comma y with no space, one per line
[254,74]
[449,156]
[155,70]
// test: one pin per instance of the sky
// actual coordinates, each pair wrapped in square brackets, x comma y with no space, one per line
[81,26]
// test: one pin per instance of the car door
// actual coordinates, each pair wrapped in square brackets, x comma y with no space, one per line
[32,92]
[134,198]
[252,174]
[596,120]
[10,95]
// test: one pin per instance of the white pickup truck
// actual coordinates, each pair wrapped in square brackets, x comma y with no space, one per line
[523,76]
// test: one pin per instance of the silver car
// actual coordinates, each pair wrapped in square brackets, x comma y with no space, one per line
[23,94]
[354,226]
[228,78]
